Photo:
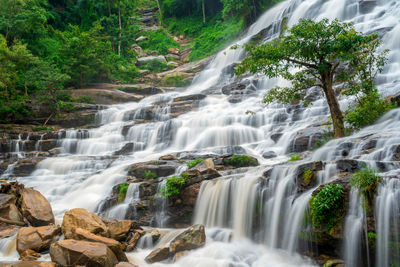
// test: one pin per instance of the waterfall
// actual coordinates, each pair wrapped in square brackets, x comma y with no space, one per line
[253,216]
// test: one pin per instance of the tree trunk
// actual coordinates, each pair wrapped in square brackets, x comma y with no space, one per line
[159,10]
[109,7]
[26,89]
[120,27]
[204,12]
[334,107]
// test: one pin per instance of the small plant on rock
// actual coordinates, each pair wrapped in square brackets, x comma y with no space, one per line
[326,205]
[295,158]
[308,175]
[194,163]
[242,161]
[150,175]
[367,181]
[173,186]
[122,192]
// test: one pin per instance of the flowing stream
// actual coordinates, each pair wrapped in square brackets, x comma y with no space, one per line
[85,174]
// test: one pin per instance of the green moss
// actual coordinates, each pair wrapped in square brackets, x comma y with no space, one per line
[295,158]
[308,176]
[372,240]
[41,128]
[150,175]
[367,181]
[123,188]
[194,163]
[326,207]
[159,41]
[173,186]
[239,161]
[176,81]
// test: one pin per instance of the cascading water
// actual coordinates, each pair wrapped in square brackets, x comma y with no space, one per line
[90,166]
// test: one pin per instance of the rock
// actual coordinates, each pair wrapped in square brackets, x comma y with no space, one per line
[348,165]
[168,157]
[160,168]
[81,218]
[192,238]
[133,241]
[172,64]
[205,167]
[105,96]
[306,175]
[35,208]
[306,139]
[125,264]
[125,150]
[115,246]
[269,155]
[141,38]
[158,255]
[155,235]
[8,209]
[29,255]
[28,264]
[189,98]
[173,50]
[190,193]
[77,252]
[334,263]
[119,230]
[37,238]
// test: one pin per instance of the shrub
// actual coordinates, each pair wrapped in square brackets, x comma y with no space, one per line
[150,175]
[122,192]
[366,180]
[154,65]
[194,163]
[326,205]
[173,186]
[295,157]
[41,128]
[176,81]
[369,108]
[241,161]
[159,41]
[308,175]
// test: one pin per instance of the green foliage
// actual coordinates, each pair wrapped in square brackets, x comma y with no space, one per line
[194,163]
[372,240]
[123,188]
[326,206]
[150,175]
[42,128]
[367,181]
[154,65]
[159,41]
[308,175]
[367,110]
[323,52]
[295,158]
[239,161]
[173,186]
[176,81]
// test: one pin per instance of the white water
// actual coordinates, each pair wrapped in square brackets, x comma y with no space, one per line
[85,175]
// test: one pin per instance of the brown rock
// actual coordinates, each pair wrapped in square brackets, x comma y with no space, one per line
[125,264]
[74,252]
[133,241]
[190,193]
[157,255]
[36,238]
[35,208]
[28,264]
[8,230]
[205,166]
[168,157]
[8,209]
[81,218]
[119,230]
[115,246]
[192,238]
[29,255]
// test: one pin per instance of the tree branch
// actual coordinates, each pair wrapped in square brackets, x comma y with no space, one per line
[301,63]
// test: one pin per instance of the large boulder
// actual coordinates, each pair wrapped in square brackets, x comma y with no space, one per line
[81,218]
[8,209]
[119,230]
[35,208]
[77,252]
[192,238]
[37,238]
[115,246]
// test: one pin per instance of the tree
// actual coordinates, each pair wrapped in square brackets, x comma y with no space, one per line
[318,54]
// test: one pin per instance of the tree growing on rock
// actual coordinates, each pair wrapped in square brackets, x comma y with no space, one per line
[319,54]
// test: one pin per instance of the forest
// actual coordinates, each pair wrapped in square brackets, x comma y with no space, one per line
[48,46]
